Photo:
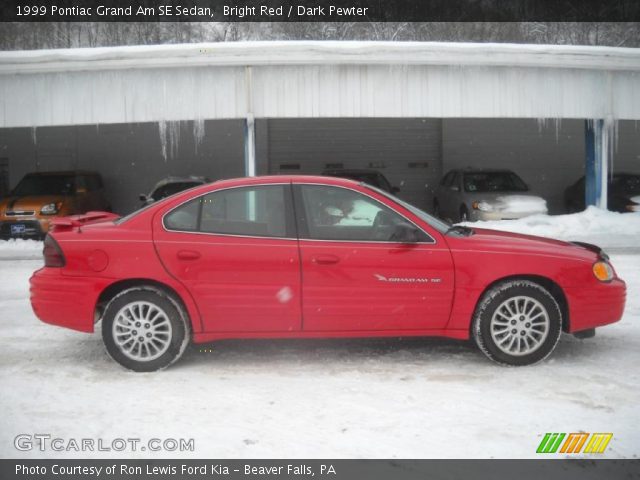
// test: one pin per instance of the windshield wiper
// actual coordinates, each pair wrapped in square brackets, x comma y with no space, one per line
[460,231]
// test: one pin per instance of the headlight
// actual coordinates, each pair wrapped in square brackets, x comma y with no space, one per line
[483,206]
[603,271]
[50,209]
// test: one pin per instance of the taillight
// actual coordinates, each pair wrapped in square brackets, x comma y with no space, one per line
[53,256]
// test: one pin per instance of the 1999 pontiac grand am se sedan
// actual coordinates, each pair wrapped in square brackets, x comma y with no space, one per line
[303,257]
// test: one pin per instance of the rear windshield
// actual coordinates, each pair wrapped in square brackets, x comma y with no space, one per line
[45,185]
[493,182]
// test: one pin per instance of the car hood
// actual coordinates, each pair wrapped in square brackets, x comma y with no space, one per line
[29,202]
[508,242]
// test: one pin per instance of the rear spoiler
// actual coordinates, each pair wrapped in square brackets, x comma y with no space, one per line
[592,248]
[77,221]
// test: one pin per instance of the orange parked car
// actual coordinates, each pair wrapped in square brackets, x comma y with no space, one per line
[42,196]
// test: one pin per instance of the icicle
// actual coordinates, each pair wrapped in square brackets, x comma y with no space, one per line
[558,122]
[198,132]
[162,130]
[169,132]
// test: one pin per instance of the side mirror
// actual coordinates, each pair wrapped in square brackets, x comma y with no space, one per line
[395,189]
[404,233]
[142,197]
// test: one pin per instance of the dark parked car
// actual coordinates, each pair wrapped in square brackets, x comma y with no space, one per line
[370,177]
[42,196]
[623,194]
[170,185]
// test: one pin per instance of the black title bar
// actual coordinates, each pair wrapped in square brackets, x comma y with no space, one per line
[320,11]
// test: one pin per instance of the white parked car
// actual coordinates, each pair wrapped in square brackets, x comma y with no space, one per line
[470,195]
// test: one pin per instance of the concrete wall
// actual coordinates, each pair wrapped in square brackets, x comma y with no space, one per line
[129,156]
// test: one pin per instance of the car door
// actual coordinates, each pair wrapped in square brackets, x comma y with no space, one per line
[357,276]
[235,251]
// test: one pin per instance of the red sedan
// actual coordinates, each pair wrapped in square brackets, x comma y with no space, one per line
[302,257]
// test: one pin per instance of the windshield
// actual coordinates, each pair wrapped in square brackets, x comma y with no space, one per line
[493,182]
[436,223]
[45,185]
[171,188]
[626,183]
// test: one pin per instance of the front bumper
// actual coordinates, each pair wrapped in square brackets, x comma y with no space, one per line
[591,307]
[489,216]
[64,300]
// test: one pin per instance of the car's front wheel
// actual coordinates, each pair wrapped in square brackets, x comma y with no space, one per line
[144,329]
[517,322]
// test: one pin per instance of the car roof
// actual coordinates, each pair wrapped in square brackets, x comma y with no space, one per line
[308,179]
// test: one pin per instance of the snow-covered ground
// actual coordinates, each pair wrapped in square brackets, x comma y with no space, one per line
[332,398]
[384,398]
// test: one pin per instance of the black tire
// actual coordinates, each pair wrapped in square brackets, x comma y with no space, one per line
[169,335]
[492,316]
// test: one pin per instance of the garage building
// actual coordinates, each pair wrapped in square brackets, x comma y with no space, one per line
[410,110]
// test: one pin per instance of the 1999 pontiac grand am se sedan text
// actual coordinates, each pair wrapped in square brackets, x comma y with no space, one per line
[302,257]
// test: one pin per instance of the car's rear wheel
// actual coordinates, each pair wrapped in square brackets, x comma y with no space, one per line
[144,329]
[517,322]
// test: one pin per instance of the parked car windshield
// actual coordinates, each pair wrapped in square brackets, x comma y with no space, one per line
[626,183]
[436,223]
[45,185]
[493,182]
[171,188]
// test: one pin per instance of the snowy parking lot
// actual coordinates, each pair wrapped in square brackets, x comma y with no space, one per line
[333,398]
[375,398]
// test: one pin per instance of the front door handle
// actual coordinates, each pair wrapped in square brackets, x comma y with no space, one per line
[325,259]
[188,255]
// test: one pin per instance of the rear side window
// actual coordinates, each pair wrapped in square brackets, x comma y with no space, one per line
[251,211]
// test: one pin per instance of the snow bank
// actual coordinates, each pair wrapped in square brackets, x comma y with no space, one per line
[594,225]
[20,248]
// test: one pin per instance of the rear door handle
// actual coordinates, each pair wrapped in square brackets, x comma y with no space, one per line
[325,259]
[188,255]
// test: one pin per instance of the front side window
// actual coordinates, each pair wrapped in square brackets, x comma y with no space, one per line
[251,211]
[334,213]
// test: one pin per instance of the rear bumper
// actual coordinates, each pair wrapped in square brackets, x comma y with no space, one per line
[591,307]
[27,228]
[64,301]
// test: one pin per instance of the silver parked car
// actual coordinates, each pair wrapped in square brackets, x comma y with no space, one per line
[470,195]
